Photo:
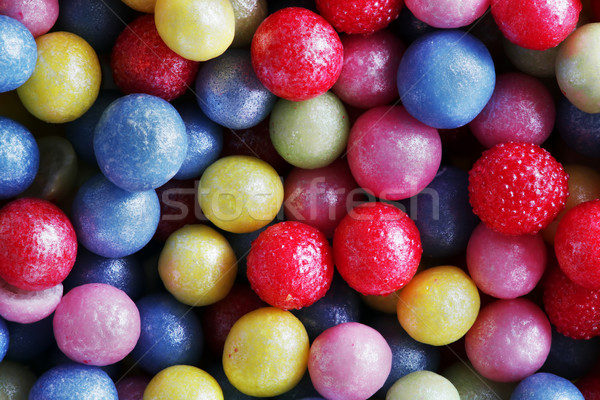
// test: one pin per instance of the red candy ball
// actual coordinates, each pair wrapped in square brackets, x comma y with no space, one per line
[359,16]
[517,188]
[142,63]
[377,248]
[297,54]
[290,265]
[536,24]
[38,245]
[576,244]
[572,309]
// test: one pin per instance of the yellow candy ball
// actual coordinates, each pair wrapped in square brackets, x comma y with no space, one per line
[240,194]
[266,352]
[195,29]
[197,265]
[183,382]
[66,79]
[439,305]
[145,6]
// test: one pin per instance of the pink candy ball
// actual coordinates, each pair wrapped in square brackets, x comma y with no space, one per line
[349,361]
[368,77]
[509,341]
[504,266]
[96,324]
[38,16]
[391,154]
[447,13]
[521,109]
[28,306]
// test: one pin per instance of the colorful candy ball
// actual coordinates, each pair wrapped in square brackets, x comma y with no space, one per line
[349,361]
[74,381]
[376,248]
[182,382]
[447,13]
[423,385]
[18,54]
[197,265]
[296,54]
[546,386]
[359,16]
[19,158]
[517,188]
[38,245]
[65,81]
[290,265]
[439,305]
[266,352]
[37,15]
[248,16]
[28,306]
[240,194]
[446,78]
[96,324]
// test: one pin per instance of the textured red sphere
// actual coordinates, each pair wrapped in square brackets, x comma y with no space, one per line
[517,188]
[142,63]
[290,265]
[536,24]
[359,16]
[576,244]
[38,245]
[297,54]
[377,248]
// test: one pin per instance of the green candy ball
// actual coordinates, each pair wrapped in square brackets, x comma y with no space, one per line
[471,385]
[15,381]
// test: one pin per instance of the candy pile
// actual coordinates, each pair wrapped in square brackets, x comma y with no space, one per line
[297,199]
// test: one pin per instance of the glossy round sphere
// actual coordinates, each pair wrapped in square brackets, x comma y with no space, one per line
[446,78]
[16,380]
[74,381]
[196,30]
[439,305]
[181,382]
[96,324]
[240,194]
[170,334]
[142,63]
[448,14]
[311,133]
[520,110]
[229,92]
[140,142]
[368,77]
[38,245]
[38,15]
[197,265]
[423,385]
[102,210]
[290,265]
[248,16]
[509,341]
[377,248]
[19,158]
[28,306]
[578,128]
[65,85]
[505,266]
[18,54]
[266,352]
[576,62]
[359,16]
[545,386]
[349,361]
[296,54]
[536,25]
[391,154]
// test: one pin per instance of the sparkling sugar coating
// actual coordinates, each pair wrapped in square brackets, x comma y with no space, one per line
[359,16]
[517,188]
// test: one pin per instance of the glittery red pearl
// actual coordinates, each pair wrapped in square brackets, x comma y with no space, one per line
[359,16]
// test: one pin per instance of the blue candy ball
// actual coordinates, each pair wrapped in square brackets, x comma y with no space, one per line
[446,78]
[74,382]
[19,157]
[124,273]
[408,355]
[29,341]
[205,141]
[112,222]
[571,358]
[80,132]
[140,142]
[4,339]
[443,214]
[580,130]
[170,334]
[18,53]
[229,92]
[546,386]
